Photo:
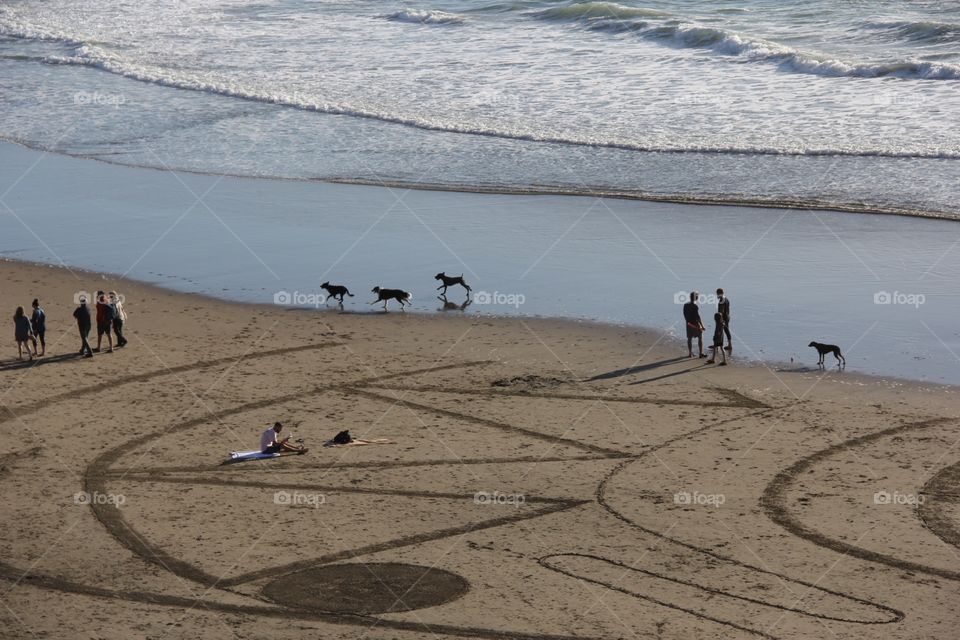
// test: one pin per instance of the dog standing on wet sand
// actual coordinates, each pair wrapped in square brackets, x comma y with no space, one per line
[824,349]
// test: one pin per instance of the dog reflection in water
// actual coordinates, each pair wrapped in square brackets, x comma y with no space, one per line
[452,306]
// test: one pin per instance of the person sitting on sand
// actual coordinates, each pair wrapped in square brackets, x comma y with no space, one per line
[717,346]
[270,442]
[23,333]
[695,328]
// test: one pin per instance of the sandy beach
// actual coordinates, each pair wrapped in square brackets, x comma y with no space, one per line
[545,479]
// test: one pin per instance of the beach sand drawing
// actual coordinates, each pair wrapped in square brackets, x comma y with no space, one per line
[417,536]
[536,320]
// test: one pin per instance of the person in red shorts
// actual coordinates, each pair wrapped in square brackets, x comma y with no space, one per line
[104,322]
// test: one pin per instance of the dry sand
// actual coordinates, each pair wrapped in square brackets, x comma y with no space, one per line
[548,479]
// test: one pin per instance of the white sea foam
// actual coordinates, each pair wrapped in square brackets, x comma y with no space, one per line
[421,16]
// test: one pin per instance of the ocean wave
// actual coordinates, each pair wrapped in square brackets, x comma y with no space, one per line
[113,64]
[608,16]
[923,31]
[598,10]
[424,16]
[757,50]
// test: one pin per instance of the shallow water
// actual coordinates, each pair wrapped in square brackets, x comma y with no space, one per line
[792,276]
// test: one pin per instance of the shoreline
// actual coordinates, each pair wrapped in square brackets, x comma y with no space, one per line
[535,190]
[659,338]
[625,263]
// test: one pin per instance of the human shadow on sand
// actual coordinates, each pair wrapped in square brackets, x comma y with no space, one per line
[640,368]
[13,365]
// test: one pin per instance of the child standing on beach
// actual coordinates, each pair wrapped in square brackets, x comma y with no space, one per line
[717,346]
[23,334]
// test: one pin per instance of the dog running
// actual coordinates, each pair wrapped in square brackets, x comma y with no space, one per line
[385,295]
[449,281]
[335,292]
[824,349]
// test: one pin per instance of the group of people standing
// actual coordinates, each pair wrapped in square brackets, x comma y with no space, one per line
[110,315]
[695,327]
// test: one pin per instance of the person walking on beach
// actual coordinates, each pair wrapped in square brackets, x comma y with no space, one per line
[723,308]
[38,322]
[119,317]
[23,334]
[104,322]
[695,328]
[82,314]
[717,346]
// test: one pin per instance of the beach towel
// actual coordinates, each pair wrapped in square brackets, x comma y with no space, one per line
[358,442]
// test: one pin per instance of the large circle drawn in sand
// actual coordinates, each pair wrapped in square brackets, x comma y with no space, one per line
[380,587]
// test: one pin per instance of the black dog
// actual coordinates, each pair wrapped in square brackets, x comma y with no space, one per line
[824,349]
[449,281]
[335,291]
[384,295]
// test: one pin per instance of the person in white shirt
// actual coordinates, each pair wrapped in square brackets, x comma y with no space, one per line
[119,317]
[270,441]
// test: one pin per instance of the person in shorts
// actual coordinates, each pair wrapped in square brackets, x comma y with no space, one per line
[717,346]
[104,322]
[23,334]
[38,322]
[691,315]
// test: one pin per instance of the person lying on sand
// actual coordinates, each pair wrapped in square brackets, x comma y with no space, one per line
[270,442]
[344,439]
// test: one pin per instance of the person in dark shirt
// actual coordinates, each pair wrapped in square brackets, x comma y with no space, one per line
[723,308]
[691,315]
[38,322]
[104,322]
[717,346]
[23,334]
[82,314]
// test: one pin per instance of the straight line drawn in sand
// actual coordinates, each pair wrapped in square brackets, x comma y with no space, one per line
[590,567]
